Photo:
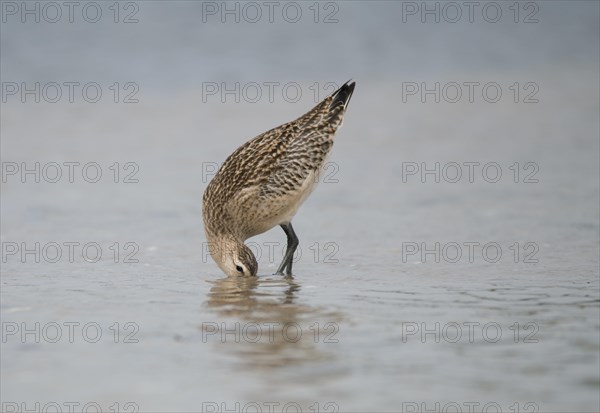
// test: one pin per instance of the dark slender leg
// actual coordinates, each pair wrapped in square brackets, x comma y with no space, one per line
[292,244]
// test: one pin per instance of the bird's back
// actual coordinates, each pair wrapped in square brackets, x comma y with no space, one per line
[268,177]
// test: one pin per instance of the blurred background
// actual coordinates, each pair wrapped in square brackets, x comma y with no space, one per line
[449,256]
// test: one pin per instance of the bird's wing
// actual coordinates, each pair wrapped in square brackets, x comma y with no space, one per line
[304,155]
[307,144]
[280,160]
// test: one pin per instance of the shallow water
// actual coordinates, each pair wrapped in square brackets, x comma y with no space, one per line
[400,299]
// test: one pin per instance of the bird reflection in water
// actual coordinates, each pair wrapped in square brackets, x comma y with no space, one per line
[260,320]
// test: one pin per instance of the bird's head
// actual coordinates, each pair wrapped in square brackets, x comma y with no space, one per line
[233,257]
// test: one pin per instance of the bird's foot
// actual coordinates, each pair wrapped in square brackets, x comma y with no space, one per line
[287,274]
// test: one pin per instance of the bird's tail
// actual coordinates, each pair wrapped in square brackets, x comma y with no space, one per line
[330,112]
[342,95]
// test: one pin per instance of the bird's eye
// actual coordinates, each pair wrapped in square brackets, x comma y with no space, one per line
[240,269]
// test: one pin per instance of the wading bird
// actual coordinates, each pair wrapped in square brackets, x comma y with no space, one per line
[263,183]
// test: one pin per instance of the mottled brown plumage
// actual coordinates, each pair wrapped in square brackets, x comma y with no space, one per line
[263,183]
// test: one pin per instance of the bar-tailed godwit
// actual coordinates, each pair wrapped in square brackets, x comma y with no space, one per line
[263,183]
